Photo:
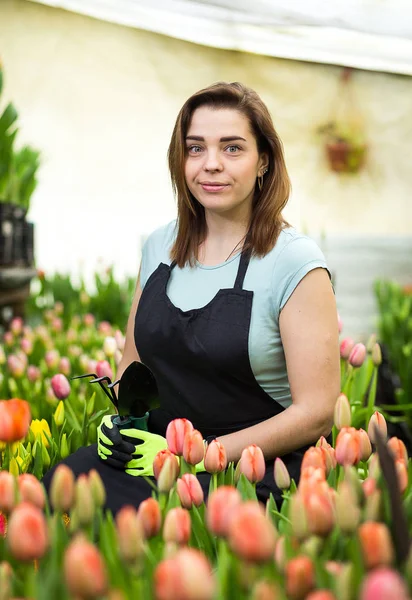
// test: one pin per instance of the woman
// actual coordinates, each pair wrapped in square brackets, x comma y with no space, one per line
[234,312]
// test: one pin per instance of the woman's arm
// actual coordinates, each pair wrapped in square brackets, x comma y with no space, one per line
[309,331]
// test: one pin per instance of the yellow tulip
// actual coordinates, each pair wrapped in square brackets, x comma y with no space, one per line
[59,414]
[39,429]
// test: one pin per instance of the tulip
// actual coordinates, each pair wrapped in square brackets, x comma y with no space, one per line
[252,463]
[376,544]
[321,595]
[160,459]
[193,447]
[27,533]
[330,457]
[346,347]
[130,534]
[64,447]
[251,535]
[374,466]
[366,448]
[311,477]
[16,366]
[8,338]
[281,474]
[14,420]
[27,346]
[62,488]
[402,473]
[60,386]
[52,358]
[298,517]
[377,420]
[84,500]
[84,569]
[376,355]
[342,414]
[41,431]
[8,492]
[58,415]
[314,457]
[357,355]
[220,509]
[151,517]
[373,506]
[175,434]
[190,491]
[109,346]
[265,590]
[33,373]
[215,459]
[97,488]
[103,369]
[177,526]
[398,449]
[347,511]
[348,446]
[384,584]
[300,577]
[185,576]
[369,486]
[167,475]
[31,490]
[16,325]
[64,365]
[88,318]
[319,511]
[333,567]
[56,325]
[6,574]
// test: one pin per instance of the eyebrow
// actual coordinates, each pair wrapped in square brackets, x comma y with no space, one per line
[228,138]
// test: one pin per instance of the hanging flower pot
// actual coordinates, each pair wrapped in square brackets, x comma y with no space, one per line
[345,156]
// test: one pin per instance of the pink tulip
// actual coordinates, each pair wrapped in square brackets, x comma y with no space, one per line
[103,369]
[348,446]
[151,517]
[84,569]
[8,489]
[65,366]
[314,457]
[52,358]
[159,461]
[60,386]
[130,534]
[177,526]
[27,346]
[220,509]
[346,347]
[215,458]
[31,490]
[16,366]
[319,511]
[357,355]
[89,319]
[366,448]
[384,584]
[369,486]
[300,577]
[252,463]
[62,488]
[376,544]
[377,420]
[281,474]
[185,576]
[251,535]
[16,325]
[193,447]
[342,413]
[27,533]
[190,491]
[33,373]
[175,434]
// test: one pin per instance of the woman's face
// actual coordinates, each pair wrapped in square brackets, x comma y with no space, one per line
[222,160]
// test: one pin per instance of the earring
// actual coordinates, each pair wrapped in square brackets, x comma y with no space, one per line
[260,178]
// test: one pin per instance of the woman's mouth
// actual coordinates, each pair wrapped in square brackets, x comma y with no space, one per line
[209,186]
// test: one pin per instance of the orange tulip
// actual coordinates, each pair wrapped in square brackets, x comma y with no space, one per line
[220,508]
[314,457]
[300,577]
[27,532]
[62,489]
[8,492]
[366,447]
[130,534]
[159,461]
[398,449]
[168,475]
[175,434]
[252,463]
[151,517]
[376,544]
[177,526]
[84,569]
[321,595]
[377,420]
[185,576]
[193,447]
[251,535]
[319,511]
[215,457]
[189,491]
[348,446]
[330,450]
[31,490]
[15,420]
[402,473]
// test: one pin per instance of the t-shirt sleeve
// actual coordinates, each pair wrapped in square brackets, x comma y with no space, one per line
[156,250]
[300,256]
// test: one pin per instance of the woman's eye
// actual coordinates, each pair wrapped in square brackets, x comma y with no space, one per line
[232,149]
[194,149]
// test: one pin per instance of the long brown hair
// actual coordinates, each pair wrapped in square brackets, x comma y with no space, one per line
[266,220]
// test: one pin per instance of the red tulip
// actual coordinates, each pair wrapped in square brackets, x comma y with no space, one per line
[384,584]
[177,526]
[251,535]
[84,569]
[348,446]
[300,577]
[8,492]
[252,463]
[130,534]
[27,532]
[175,434]
[15,419]
[31,490]
[377,420]
[215,458]
[346,347]
[62,488]
[151,517]
[220,509]
[357,355]
[160,459]
[193,447]
[190,491]
[186,576]
[398,449]
[376,544]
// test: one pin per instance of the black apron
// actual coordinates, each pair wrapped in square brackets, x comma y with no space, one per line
[200,359]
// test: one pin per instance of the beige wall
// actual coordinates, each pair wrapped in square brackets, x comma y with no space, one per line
[100,100]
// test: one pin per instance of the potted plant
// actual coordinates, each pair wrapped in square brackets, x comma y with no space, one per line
[345,146]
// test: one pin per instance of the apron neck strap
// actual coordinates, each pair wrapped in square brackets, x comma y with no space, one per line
[241,272]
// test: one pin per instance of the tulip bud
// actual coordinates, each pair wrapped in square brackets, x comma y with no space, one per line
[84,500]
[373,506]
[215,460]
[300,577]
[377,420]
[384,584]
[8,492]
[402,474]
[151,517]
[220,509]
[346,347]
[159,461]
[27,346]
[30,520]
[190,491]
[33,373]
[342,414]
[6,575]
[52,358]
[64,447]
[251,535]
[193,447]
[130,534]
[319,511]
[376,355]
[252,463]
[167,475]
[366,448]
[64,366]
[59,414]
[60,386]
[103,369]
[175,434]
[347,511]
[45,456]
[62,488]
[281,475]
[84,569]
[31,490]
[177,526]
[297,516]
[348,446]
[357,355]
[280,554]
[187,575]
[97,488]
[265,590]
[376,544]
[314,457]
[16,325]
[398,449]
[109,346]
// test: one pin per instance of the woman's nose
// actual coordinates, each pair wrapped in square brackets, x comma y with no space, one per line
[212,162]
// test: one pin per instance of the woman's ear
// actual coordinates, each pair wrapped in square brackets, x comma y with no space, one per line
[263,163]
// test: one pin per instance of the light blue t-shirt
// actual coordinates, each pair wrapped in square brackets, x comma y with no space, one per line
[272,278]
